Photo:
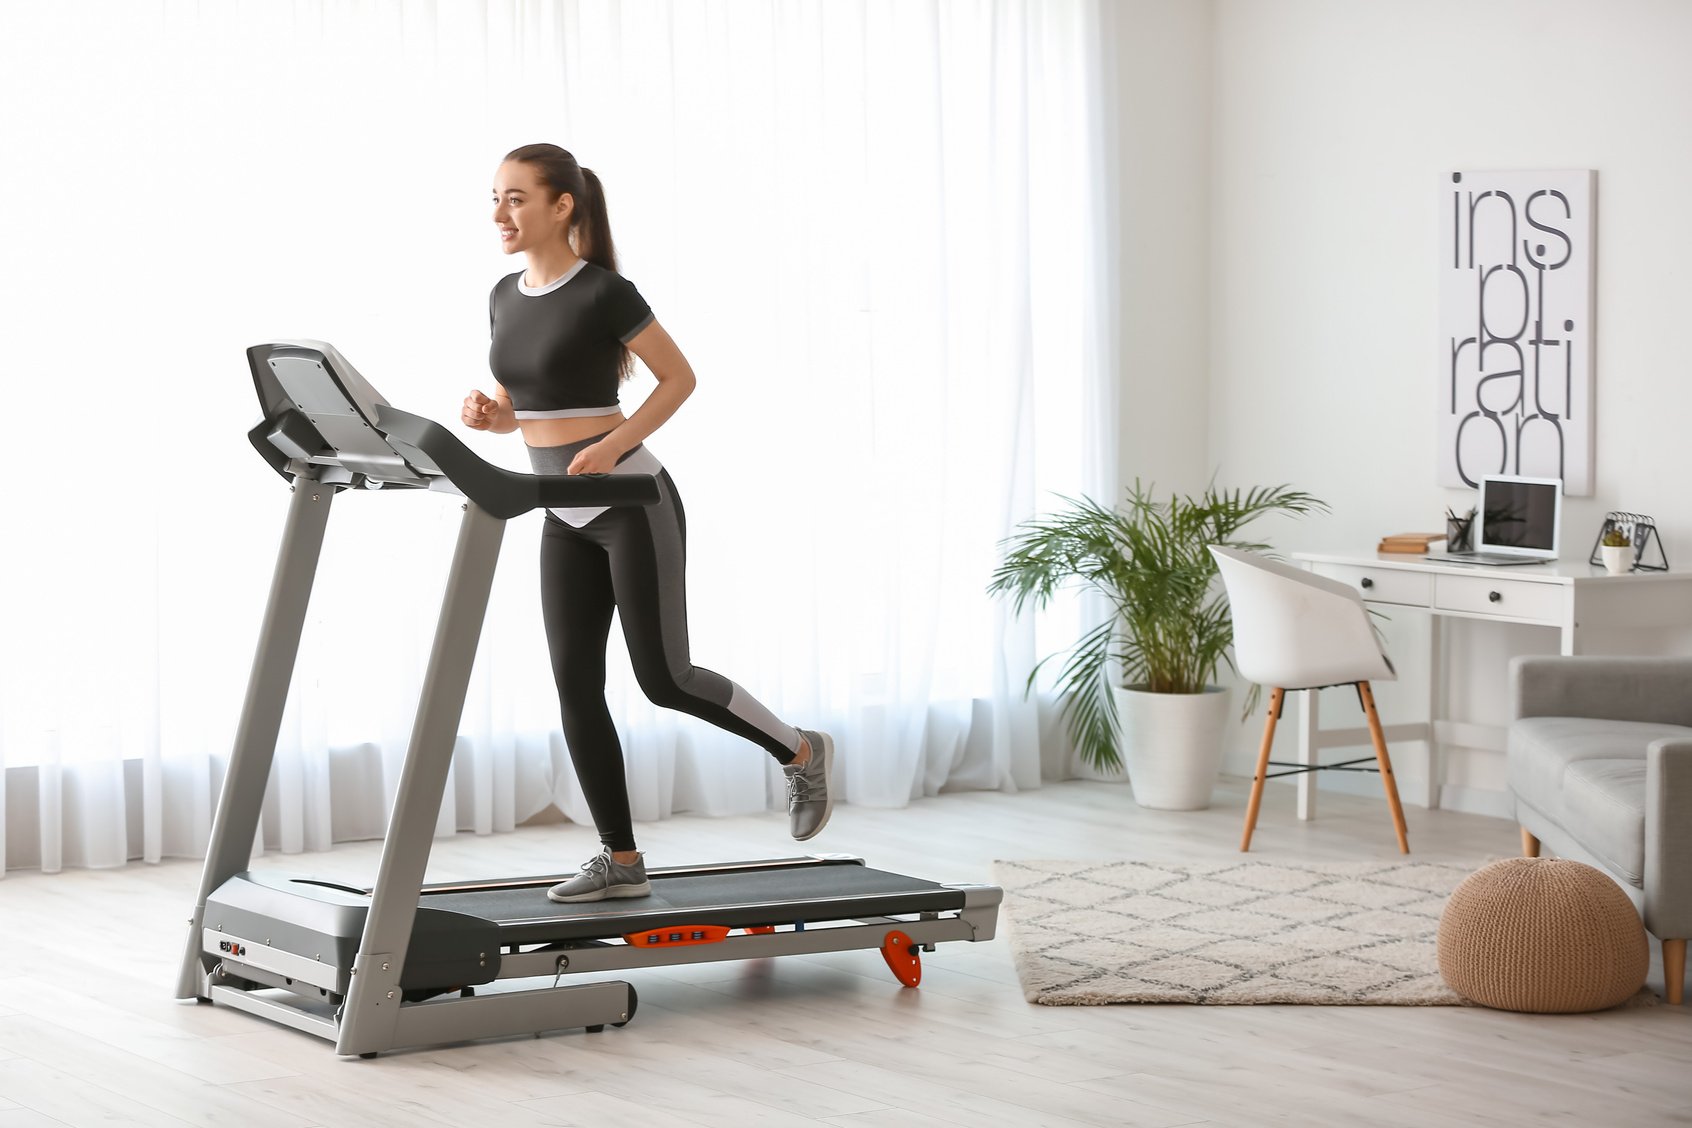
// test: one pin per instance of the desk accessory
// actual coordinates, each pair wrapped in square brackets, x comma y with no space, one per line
[1641,534]
[1460,531]
[1415,544]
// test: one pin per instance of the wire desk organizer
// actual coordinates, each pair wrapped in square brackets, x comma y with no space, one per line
[1641,533]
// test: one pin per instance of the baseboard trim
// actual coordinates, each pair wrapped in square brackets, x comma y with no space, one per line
[1477,801]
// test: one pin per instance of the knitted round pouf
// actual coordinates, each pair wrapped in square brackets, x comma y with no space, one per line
[1545,935]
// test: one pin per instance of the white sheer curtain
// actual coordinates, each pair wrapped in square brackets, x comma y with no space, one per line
[879,230]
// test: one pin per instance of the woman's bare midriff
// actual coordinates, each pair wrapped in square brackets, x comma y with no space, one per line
[557,432]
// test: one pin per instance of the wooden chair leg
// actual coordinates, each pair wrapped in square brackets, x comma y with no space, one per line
[1674,969]
[1530,844]
[1275,698]
[1385,762]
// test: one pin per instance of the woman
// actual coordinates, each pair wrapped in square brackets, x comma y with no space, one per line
[563,334]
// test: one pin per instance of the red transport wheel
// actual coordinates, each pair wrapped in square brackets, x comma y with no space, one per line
[903,958]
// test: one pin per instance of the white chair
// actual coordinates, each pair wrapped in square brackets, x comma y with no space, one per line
[1295,630]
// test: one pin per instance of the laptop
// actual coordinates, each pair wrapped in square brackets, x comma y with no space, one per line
[1519,521]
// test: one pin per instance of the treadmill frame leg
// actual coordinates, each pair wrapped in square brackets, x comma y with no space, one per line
[371,1016]
[241,802]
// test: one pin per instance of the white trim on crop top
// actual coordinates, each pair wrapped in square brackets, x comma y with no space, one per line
[523,288]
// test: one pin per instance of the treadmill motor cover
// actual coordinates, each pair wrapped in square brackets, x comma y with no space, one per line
[324,922]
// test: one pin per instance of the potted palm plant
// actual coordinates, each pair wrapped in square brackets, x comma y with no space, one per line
[1169,634]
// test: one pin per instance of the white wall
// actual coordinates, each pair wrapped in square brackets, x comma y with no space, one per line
[1164,85]
[1333,123]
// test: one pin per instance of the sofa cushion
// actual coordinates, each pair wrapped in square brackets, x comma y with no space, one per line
[1605,803]
[1540,749]
[1588,777]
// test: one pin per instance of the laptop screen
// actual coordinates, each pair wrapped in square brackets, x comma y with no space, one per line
[1520,515]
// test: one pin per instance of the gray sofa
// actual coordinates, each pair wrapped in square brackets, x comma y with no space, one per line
[1600,768]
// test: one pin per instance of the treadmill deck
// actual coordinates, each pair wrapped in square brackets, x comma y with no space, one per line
[735,898]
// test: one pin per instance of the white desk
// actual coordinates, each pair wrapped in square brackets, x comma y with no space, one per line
[1568,595]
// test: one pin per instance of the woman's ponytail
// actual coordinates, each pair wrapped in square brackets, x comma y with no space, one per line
[593,233]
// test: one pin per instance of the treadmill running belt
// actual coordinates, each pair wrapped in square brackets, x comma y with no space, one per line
[738,900]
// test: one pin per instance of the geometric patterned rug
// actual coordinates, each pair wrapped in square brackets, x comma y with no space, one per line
[1330,933]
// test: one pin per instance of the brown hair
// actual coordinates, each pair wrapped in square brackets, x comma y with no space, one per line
[590,225]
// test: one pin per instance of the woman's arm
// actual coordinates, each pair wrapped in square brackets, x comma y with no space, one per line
[675,383]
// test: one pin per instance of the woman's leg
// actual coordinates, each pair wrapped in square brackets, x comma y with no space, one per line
[577,602]
[647,547]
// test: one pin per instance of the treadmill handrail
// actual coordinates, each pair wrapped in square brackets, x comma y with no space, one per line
[506,493]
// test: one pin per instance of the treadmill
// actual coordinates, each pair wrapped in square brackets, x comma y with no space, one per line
[403,964]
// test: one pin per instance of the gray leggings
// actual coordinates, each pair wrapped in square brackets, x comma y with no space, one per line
[631,560]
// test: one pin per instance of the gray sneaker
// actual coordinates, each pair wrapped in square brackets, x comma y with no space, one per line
[808,802]
[602,878]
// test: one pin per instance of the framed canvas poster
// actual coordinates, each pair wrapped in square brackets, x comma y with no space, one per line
[1516,326]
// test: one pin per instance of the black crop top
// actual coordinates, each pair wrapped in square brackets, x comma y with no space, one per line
[556,351]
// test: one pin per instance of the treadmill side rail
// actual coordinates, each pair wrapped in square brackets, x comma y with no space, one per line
[863,935]
[431,1023]
[276,1010]
[512,1012]
[981,909]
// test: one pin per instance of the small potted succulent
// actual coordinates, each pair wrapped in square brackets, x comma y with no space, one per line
[1617,552]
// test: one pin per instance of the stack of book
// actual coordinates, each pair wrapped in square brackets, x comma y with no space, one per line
[1413,543]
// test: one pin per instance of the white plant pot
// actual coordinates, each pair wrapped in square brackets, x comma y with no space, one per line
[1618,558]
[1172,745]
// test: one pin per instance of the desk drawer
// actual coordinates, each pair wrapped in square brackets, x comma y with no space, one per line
[1495,595]
[1381,585]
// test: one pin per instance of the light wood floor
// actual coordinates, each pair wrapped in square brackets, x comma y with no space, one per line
[90,1035]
